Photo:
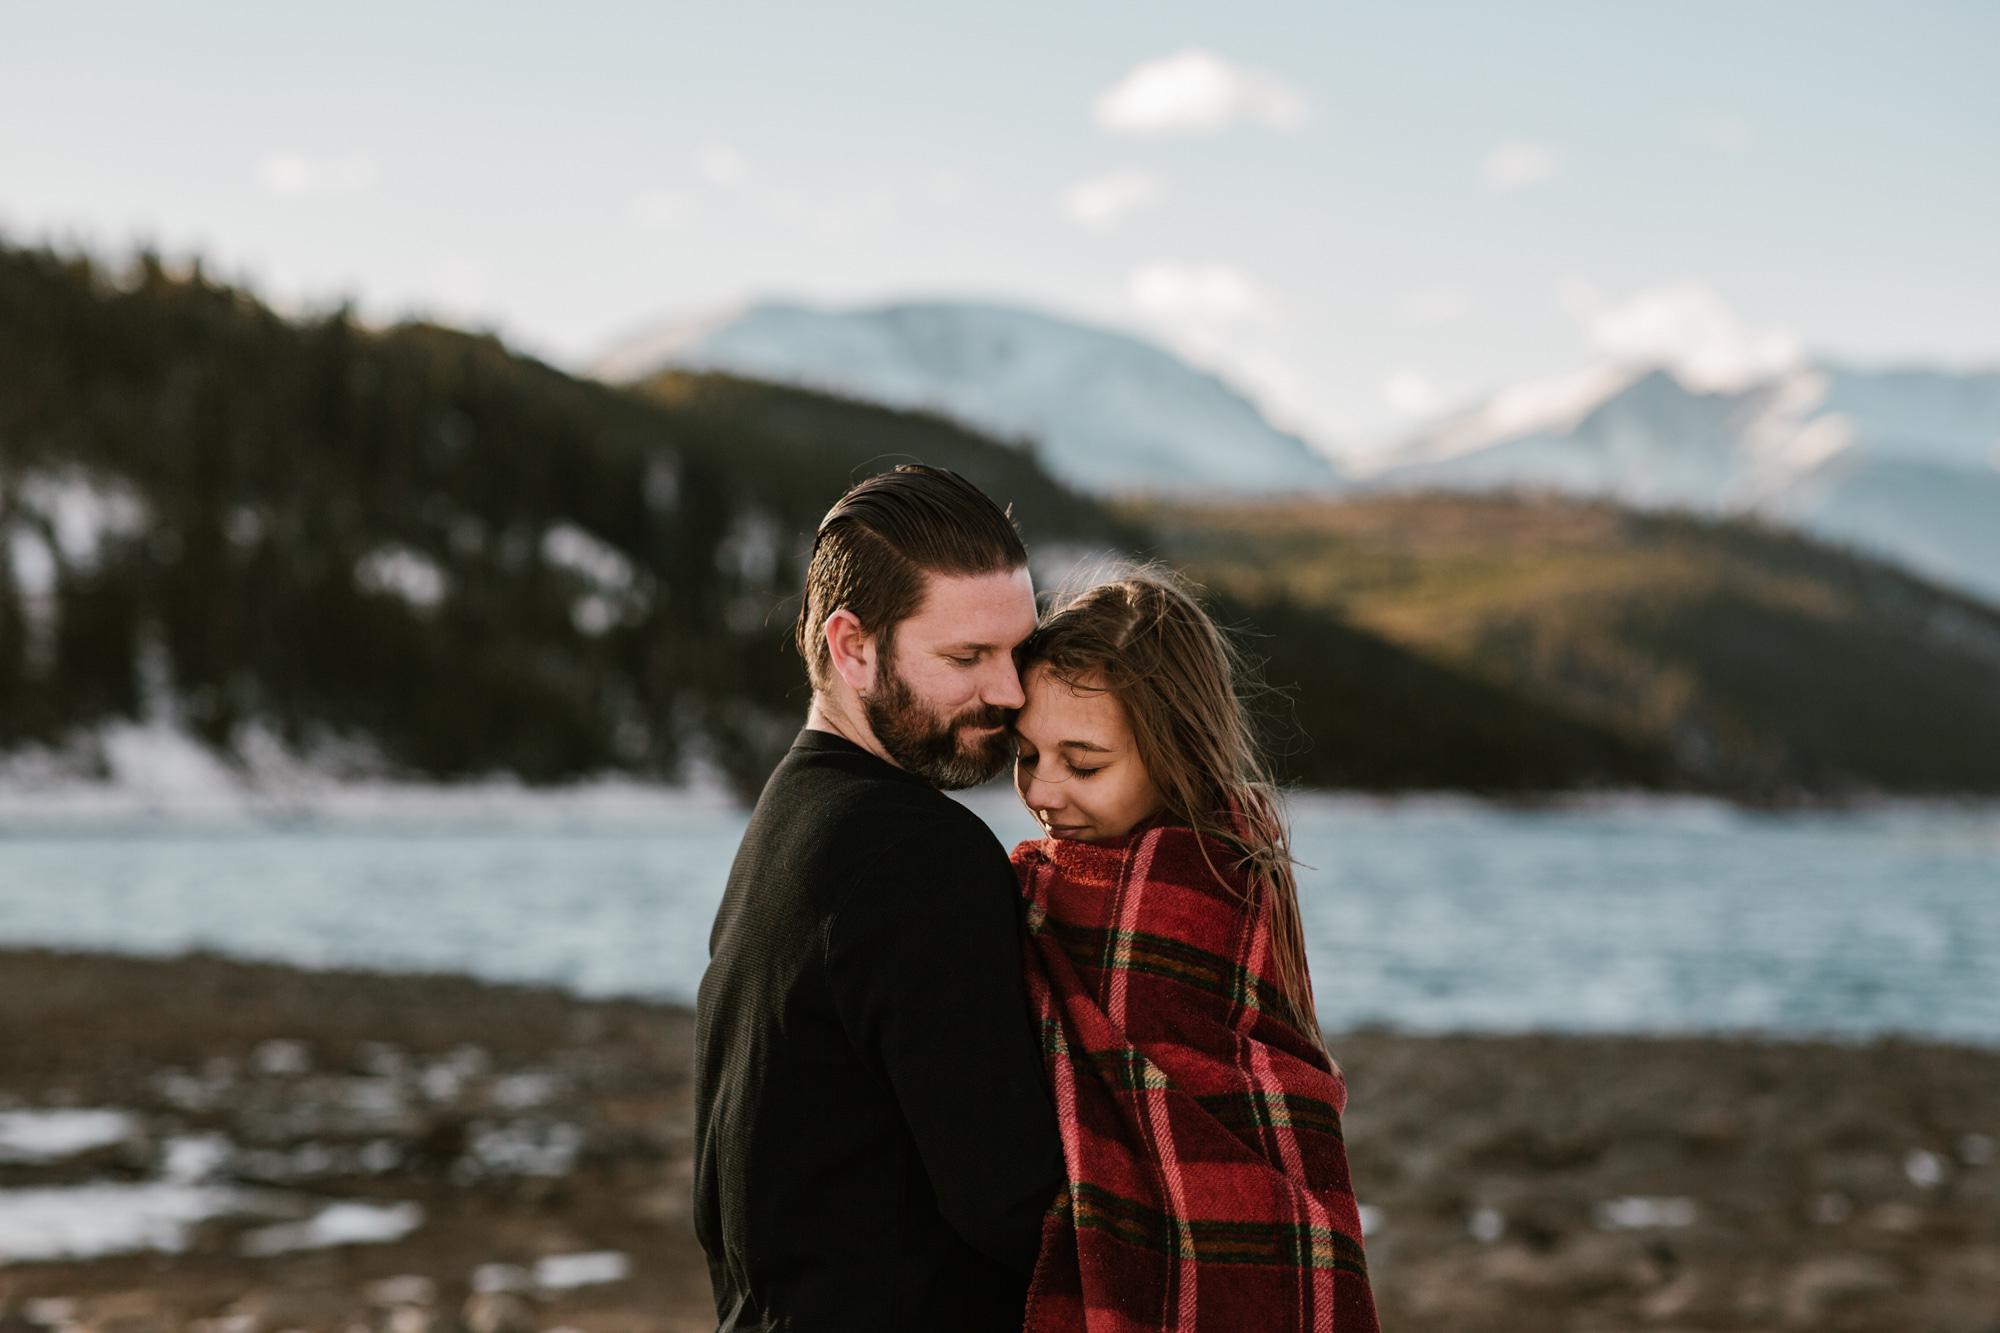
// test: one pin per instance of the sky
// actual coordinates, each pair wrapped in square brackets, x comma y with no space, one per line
[1363,215]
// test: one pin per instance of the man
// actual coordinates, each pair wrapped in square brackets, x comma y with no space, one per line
[874,1145]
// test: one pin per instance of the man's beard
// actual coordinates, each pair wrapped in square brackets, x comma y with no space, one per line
[926,744]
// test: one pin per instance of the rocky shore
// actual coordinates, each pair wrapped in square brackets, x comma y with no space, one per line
[198,1143]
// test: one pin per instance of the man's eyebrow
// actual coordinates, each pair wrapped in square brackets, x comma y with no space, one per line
[1083,745]
[969,647]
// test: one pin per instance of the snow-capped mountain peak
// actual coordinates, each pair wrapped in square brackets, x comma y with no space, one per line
[1107,411]
[1904,462]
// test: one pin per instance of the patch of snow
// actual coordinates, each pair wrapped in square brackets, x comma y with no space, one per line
[88,1221]
[159,770]
[83,510]
[567,546]
[750,547]
[192,1092]
[32,563]
[443,1078]
[189,1158]
[50,1135]
[522,1148]
[281,1056]
[1638,1212]
[1552,404]
[50,1311]
[1925,1169]
[1486,1225]
[32,560]
[347,1222]
[400,571]
[162,764]
[319,1161]
[524,1091]
[560,1272]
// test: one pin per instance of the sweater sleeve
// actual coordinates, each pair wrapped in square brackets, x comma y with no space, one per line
[924,960]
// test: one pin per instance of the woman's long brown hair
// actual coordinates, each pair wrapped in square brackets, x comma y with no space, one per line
[1146,640]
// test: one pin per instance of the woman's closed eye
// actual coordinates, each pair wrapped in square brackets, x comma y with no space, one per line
[1025,760]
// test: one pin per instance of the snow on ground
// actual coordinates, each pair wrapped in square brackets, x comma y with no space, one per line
[348,1222]
[85,1221]
[51,1135]
[560,1272]
[141,771]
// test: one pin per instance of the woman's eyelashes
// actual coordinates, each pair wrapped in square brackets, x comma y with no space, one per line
[1025,760]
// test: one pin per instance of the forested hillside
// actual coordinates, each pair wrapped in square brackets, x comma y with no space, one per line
[422,554]
[413,536]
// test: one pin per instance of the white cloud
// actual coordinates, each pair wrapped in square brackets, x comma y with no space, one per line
[1196,91]
[1683,324]
[658,206]
[1102,202]
[1434,303]
[1512,165]
[1410,394]
[290,172]
[719,164]
[1208,294]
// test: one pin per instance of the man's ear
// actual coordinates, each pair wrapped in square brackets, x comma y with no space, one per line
[852,650]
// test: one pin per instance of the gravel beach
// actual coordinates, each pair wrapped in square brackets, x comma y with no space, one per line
[201,1143]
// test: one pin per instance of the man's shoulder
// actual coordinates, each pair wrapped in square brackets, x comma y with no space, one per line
[851,798]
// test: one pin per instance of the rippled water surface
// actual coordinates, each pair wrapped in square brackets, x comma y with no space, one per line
[1427,915]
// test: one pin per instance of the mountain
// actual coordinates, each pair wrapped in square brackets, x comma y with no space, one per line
[1902,463]
[1763,663]
[235,545]
[1103,411]
[402,552]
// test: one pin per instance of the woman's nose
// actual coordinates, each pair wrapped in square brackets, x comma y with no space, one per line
[1041,795]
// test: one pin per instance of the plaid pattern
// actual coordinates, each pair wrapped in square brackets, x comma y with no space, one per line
[1208,1183]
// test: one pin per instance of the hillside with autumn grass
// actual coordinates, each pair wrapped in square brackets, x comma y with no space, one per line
[1755,661]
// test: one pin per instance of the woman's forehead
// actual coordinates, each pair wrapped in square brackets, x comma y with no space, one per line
[1082,714]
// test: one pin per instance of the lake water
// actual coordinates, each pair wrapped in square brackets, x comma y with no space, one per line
[1424,915]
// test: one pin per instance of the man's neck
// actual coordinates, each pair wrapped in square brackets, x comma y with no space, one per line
[828,714]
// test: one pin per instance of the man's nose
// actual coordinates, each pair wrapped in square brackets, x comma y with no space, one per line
[1004,690]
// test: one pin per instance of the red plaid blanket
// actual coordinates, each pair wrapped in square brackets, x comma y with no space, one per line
[1208,1182]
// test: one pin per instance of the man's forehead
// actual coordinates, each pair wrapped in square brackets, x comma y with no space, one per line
[997,610]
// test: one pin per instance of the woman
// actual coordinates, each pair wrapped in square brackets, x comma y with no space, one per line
[1199,1109]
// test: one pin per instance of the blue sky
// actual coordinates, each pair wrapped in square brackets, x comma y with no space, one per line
[1364,214]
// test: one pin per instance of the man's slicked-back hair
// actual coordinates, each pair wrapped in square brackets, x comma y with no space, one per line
[877,543]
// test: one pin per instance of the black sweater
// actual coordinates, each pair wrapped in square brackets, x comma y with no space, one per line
[874,1145]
